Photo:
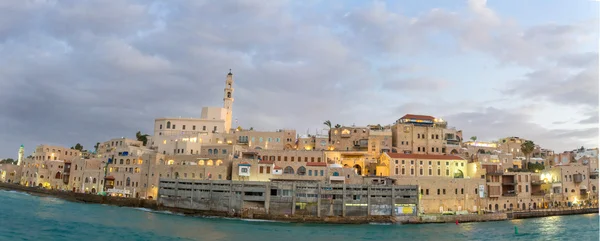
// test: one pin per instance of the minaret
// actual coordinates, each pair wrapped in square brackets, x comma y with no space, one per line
[21,154]
[228,100]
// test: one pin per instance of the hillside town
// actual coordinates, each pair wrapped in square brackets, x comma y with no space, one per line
[453,173]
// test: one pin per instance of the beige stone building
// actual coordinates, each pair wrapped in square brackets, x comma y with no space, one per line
[349,138]
[313,142]
[283,139]
[420,134]
[415,165]
[185,136]
[10,173]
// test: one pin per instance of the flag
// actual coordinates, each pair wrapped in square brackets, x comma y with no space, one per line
[110,160]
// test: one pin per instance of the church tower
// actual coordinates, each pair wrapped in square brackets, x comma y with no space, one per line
[21,155]
[228,100]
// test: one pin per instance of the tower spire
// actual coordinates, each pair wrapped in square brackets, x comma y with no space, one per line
[228,100]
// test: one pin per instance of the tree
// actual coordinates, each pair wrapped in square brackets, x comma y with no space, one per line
[473,138]
[8,161]
[251,128]
[96,147]
[327,123]
[527,148]
[78,147]
[143,138]
[338,126]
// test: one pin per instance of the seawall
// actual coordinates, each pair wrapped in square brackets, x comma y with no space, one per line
[422,219]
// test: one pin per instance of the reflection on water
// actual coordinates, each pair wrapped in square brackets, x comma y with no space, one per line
[35,218]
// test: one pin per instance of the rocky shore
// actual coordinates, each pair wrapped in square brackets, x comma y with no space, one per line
[422,219]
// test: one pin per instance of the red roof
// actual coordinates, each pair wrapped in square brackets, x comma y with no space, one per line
[424,156]
[316,164]
[110,177]
[418,117]
[265,162]
[277,167]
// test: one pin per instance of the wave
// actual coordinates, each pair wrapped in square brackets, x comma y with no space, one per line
[18,192]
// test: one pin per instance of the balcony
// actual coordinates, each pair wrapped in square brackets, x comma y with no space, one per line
[509,194]
[537,182]
[494,195]
[494,173]
[509,183]
[538,193]
[452,142]
[577,178]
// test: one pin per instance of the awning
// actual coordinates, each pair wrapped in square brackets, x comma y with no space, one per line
[582,187]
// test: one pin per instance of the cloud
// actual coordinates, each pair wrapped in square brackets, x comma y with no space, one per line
[88,71]
[492,124]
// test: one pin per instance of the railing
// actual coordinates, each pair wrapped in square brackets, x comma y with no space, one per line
[537,182]
[509,183]
[538,193]
[509,194]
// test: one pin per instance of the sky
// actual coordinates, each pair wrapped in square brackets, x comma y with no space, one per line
[88,71]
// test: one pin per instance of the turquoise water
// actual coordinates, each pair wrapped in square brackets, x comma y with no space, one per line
[25,217]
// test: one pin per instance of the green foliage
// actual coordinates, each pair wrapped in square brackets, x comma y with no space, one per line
[473,138]
[338,126]
[8,161]
[532,167]
[78,147]
[327,123]
[527,148]
[96,147]
[141,137]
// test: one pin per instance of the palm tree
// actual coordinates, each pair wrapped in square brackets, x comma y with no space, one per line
[527,148]
[143,138]
[473,138]
[338,126]
[96,147]
[327,123]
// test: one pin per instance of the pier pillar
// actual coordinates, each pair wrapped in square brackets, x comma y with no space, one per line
[267,197]
[230,199]
[368,200]
[393,212]
[319,200]
[344,200]
[293,198]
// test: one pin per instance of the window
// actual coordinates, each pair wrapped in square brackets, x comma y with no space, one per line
[224,151]
[310,172]
[430,171]
[403,171]
[426,191]
[160,127]
[288,170]
[173,126]
[438,191]
[321,172]
[193,128]
[396,171]
[183,127]
[444,191]
[203,128]
[420,171]
[396,162]
[402,162]
[439,172]
[268,170]
[526,188]
[447,172]
[260,169]
[301,171]
[462,191]
[412,171]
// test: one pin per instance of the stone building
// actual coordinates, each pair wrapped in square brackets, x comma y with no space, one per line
[420,134]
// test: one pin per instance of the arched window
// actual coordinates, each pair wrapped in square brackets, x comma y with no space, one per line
[176,175]
[215,151]
[75,167]
[228,94]
[57,176]
[201,163]
[94,180]
[160,127]
[121,161]
[87,180]
[209,163]
[210,151]
[219,162]
[127,162]
[168,124]
[128,182]
[335,174]
[301,171]
[288,170]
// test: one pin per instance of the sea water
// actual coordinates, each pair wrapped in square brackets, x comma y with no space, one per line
[27,217]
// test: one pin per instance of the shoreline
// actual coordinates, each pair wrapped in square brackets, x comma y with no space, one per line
[153,205]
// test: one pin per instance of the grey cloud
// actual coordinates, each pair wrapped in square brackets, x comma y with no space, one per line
[592,118]
[431,84]
[87,71]
[493,123]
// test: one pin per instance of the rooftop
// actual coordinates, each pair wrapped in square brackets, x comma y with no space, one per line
[425,156]
[419,117]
